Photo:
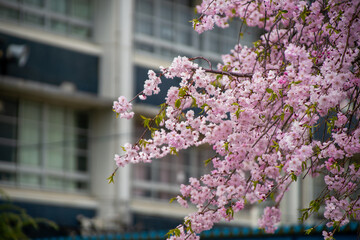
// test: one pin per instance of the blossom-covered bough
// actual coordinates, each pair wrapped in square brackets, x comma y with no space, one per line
[283,110]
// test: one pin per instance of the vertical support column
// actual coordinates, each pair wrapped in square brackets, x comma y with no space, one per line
[124,74]
[113,32]
[308,194]
[255,213]
[290,205]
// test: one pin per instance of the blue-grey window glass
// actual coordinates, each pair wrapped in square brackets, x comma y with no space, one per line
[8,129]
[68,17]
[43,146]
[167,26]
[54,65]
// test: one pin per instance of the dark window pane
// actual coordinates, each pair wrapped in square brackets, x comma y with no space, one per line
[7,177]
[7,130]
[8,107]
[144,25]
[58,6]
[165,195]
[144,47]
[81,185]
[189,3]
[7,153]
[8,13]
[29,179]
[35,3]
[81,9]
[82,163]
[145,7]
[58,26]
[139,192]
[54,183]
[33,19]
[82,120]
[82,141]
[79,31]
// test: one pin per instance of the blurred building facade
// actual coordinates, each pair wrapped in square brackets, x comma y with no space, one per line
[58,134]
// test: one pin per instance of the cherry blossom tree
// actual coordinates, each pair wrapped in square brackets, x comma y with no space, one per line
[275,113]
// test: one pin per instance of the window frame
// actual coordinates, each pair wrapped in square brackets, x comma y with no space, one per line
[40,170]
[48,16]
[199,43]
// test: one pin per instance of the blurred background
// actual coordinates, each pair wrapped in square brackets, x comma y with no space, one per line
[63,63]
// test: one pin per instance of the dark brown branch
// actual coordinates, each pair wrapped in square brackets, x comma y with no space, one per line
[233,74]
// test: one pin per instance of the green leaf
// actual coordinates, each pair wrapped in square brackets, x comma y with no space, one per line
[269,90]
[304,14]
[158,120]
[182,92]
[143,142]
[303,165]
[244,21]
[110,179]
[153,129]
[293,177]
[273,97]
[314,206]
[194,104]
[276,145]
[146,121]
[278,15]
[203,108]
[188,226]
[238,111]
[281,93]
[177,232]
[173,199]
[282,116]
[195,21]
[304,216]
[207,161]
[173,151]
[280,167]
[170,233]
[226,145]
[178,103]
[230,212]
[308,231]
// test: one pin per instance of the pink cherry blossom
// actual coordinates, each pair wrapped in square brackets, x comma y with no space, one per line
[286,108]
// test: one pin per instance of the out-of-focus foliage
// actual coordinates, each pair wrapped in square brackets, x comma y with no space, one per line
[14,220]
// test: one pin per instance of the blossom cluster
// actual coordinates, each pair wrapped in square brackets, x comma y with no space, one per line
[123,108]
[270,217]
[282,110]
[151,86]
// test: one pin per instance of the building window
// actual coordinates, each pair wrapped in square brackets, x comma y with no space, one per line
[43,146]
[68,17]
[162,27]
